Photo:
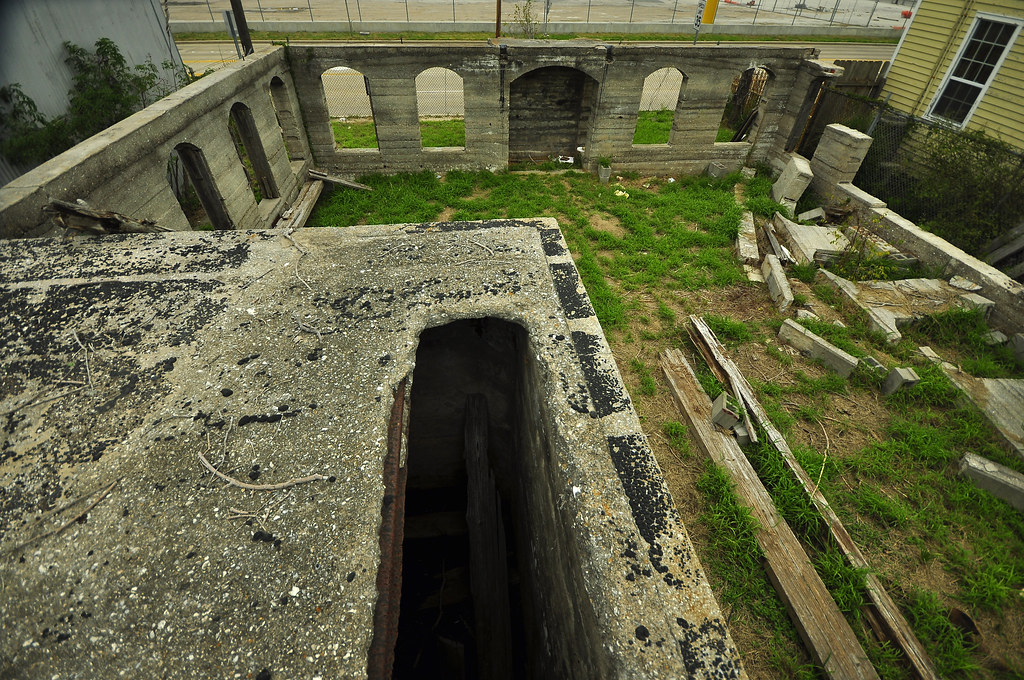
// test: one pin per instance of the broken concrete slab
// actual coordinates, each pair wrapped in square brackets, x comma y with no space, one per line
[806,314]
[746,240]
[964,284]
[1017,344]
[1001,400]
[899,379]
[753,273]
[872,363]
[979,302]
[816,347]
[717,169]
[814,215]
[999,480]
[748,172]
[891,305]
[793,181]
[806,242]
[778,285]
[837,158]
[994,338]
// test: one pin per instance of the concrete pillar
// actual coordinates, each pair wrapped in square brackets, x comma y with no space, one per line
[838,157]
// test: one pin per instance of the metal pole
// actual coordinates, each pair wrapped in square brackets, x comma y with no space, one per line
[347,14]
[242,26]
[311,11]
[497,20]
[588,10]
[359,11]
[872,15]
[211,10]
[631,11]
[453,11]
[674,8]
[757,8]
[261,10]
[407,11]
[833,13]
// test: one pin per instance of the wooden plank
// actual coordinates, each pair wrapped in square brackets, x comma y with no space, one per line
[724,379]
[488,560]
[773,240]
[302,208]
[886,619]
[823,628]
[83,218]
[324,177]
[1004,246]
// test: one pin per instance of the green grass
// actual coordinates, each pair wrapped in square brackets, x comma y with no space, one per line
[362,133]
[964,330]
[653,127]
[648,387]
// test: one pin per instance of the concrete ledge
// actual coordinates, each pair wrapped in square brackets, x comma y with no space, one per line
[999,480]
[746,240]
[778,285]
[816,347]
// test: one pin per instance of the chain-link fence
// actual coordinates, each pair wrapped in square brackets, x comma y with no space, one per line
[964,186]
[544,13]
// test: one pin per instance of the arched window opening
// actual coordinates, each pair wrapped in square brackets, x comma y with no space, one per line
[658,102]
[442,109]
[250,151]
[190,178]
[286,119]
[350,108]
[551,112]
[743,108]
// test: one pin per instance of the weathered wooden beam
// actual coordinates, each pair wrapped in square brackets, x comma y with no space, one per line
[723,378]
[823,628]
[296,216]
[886,619]
[324,177]
[488,559]
[83,218]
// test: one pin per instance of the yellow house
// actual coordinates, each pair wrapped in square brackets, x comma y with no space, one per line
[962,62]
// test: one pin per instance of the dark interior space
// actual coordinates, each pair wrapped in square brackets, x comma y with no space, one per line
[550,113]
[459,560]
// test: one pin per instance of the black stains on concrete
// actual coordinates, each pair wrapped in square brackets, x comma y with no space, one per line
[704,650]
[638,472]
[551,240]
[606,390]
[575,303]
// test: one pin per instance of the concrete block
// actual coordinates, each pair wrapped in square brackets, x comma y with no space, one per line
[746,240]
[900,378]
[749,173]
[999,480]
[721,414]
[717,169]
[975,301]
[795,335]
[753,273]
[929,354]
[806,314]
[807,241]
[793,180]
[995,337]
[872,363]
[1017,344]
[964,284]
[778,284]
[742,435]
[816,215]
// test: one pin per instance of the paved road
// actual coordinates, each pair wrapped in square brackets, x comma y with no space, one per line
[875,13]
[439,93]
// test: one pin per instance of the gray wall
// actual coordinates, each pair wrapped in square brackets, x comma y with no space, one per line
[32,34]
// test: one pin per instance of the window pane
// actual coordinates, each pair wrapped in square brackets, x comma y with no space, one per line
[956,101]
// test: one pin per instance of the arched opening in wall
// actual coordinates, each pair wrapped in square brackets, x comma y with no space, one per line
[551,111]
[485,558]
[250,151]
[286,119]
[199,197]
[350,108]
[441,107]
[743,109]
[658,103]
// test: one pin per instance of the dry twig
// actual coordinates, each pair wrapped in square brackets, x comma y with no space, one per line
[824,460]
[257,487]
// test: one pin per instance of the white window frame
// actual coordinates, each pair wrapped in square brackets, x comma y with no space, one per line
[1018,21]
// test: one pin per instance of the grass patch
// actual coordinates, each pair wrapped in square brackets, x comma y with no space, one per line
[361,133]
[963,331]
[448,132]
[653,127]
[648,387]
[729,331]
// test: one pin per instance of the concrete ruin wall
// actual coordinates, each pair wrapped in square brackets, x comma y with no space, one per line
[523,99]
[508,118]
[124,168]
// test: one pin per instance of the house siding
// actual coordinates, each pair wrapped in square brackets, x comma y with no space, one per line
[933,40]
